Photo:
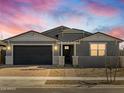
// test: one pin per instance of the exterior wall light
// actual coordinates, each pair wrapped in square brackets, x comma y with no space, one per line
[8,48]
[55,47]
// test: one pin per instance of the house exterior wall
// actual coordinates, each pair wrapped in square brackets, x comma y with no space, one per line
[122,61]
[29,38]
[56,54]
[112,48]
[9,53]
[81,55]
[9,56]
[83,49]
[97,62]
[70,36]
[85,60]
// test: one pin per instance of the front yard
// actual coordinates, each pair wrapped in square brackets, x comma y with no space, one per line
[55,72]
[38,71]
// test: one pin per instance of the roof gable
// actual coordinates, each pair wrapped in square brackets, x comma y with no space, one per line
[56,30]
[100,37]
[61,31]
[31,36]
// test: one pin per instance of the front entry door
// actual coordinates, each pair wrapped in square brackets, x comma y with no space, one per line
[68,53]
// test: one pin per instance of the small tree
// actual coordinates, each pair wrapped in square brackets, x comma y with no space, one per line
[111,69]
[111,72]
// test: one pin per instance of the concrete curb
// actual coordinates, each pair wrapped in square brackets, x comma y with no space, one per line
[74,86]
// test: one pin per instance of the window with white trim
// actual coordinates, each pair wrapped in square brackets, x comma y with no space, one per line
[66,47]
[97,49]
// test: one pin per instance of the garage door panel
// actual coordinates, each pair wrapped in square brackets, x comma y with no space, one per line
[33,55]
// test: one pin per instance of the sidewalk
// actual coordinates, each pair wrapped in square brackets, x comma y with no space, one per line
[55,78]
[35,82]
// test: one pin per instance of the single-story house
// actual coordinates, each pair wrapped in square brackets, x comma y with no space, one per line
[63,46]
[2,52]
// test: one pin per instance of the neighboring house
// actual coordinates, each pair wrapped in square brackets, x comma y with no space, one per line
[63,46]
[2,52]
[2,44]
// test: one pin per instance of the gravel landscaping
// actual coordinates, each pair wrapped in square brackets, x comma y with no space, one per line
[55,72]
[78,72]
[77,82]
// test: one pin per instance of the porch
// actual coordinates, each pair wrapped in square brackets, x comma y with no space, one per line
[84,61]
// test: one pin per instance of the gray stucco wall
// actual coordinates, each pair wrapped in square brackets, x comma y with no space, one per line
[99,62]
[57,52]
[70,36]
[85,60]
[112,48]
[83,49]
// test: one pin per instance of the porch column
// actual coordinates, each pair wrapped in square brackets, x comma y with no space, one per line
[75,57]
[61,49]
[74,49]
[61,57]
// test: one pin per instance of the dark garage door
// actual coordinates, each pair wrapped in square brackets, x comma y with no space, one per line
[33,55]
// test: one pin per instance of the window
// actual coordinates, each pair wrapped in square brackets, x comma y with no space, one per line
[97,49]
[93,48]
[66,47]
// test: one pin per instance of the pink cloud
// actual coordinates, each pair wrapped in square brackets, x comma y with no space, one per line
[99,9]
[41,5]
[75,19]
[7,7]
[24,1]
[12,7]
[18,23]
[45,4]
[117,32]
[13,30]
[26,19]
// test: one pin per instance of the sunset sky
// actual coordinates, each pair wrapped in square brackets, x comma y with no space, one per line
[17,16]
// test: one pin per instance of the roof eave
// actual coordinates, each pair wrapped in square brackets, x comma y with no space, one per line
[5,40]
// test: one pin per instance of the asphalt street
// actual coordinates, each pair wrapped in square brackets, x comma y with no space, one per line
[62,90]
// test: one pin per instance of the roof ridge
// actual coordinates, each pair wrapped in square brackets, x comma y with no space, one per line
[82,30]
[109,35]
[55,28]
[121,40]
